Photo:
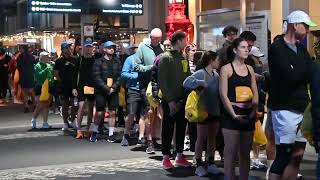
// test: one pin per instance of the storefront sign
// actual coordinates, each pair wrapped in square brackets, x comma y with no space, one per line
[55,6]
[88,31]
[120,7]
[31,40]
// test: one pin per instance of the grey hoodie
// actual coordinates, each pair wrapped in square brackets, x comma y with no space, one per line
[210,96]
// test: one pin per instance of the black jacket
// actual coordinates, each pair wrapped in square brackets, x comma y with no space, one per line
[290,74]
[84,77]
[315,98]
[101,73]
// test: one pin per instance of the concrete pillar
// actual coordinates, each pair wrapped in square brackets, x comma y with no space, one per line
[276,8]
[314,13]
[194,8]
[243,15]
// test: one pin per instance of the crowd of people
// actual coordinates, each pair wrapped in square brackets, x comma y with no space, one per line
[149,87]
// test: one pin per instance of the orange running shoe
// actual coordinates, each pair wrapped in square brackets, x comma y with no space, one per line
[79,135]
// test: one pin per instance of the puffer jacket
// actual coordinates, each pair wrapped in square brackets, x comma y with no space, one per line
[100,75]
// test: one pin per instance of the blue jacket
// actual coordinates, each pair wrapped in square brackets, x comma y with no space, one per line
[129,75]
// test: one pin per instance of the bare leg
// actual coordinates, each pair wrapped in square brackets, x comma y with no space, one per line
[38,109]
[212,132]
[32,95]
[231,139]
[80,114]
[142,127]
[90,113]
[65,110]
[154,122]
[73,110]
[98,117]
[112,122]
[292,169]
[25,98]
[45,112]
[271,147]
[255,150]
[149,119]
[246,138]
[128,123]
[202,130]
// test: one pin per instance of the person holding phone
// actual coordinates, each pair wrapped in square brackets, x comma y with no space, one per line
[239,95]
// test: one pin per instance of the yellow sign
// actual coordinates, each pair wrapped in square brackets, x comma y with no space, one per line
[109,82]
[88,90]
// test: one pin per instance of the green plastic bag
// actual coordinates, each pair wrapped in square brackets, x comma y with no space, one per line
[307,126]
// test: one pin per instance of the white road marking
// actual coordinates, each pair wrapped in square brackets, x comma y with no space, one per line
[82,170]
[31,135]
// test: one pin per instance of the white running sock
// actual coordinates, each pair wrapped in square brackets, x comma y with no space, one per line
[111,130]
[269,163]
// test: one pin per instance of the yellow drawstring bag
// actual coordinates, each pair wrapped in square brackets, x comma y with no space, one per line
[16,77]
[150,98]
[44,96]
[194,109]
[122,97]
[153,103]
[259,137]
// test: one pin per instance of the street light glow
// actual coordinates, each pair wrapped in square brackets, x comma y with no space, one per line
[109,2]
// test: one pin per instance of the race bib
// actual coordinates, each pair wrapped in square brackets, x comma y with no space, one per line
[109,82]
[243,94]
[88,90]
[184,64]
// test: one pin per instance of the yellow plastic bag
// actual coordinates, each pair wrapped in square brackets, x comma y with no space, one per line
[259,137]
[122,97]
[16,77]
[44,96]
[307,126]
[150,98]
[194,109]
[153,103]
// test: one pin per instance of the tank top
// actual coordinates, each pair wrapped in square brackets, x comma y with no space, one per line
[237,85]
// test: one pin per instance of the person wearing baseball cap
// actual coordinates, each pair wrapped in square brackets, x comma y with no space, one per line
[290,72]
[107,79]
[96,50]
[109,44]
[83,87]
[65,72]
[43,71]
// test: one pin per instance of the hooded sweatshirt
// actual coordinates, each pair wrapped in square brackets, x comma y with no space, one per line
[144,58]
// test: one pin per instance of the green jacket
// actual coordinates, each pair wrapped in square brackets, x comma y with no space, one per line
[144,58]
[173,70]
[43,71]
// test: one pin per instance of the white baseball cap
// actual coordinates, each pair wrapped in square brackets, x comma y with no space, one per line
[42,54]
[256,52]
[299,16]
